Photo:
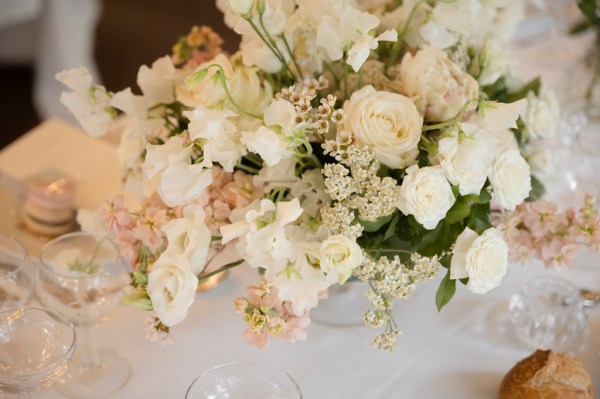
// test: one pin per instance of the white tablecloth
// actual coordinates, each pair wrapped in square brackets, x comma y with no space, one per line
[463,352]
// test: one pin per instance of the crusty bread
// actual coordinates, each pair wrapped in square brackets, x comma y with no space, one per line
[547,375]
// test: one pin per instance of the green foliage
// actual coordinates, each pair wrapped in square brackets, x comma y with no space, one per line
[371,227]
[138,298]
[445,291]
[537,189]
[534,86]
[589,8]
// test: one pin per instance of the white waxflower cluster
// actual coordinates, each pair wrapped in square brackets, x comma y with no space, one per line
[390,279]
[356,185]
[386,341]
[339,219]
[318,119]
[423,268]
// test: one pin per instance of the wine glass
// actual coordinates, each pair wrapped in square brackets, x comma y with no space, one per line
[549,313]
[37,345]
[16,280]
[244,381]
[83,277]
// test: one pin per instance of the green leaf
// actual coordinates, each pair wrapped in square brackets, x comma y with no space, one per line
[533,86]
[459,211]
[445,292]
[138,298]
[140,278]
[391,230]
[537,189]
[590,10]
[484,196]
[371,227]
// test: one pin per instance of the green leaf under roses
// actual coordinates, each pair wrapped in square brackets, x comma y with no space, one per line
[590,10]
[391,230]
[445,292]
[138,298]
[484,196]
[537,189]
[459,211]
[371,227]
[534,86]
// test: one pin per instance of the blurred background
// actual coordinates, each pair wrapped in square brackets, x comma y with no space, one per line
[112,38]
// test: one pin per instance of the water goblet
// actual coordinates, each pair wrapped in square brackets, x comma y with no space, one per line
[16,276]
[83,277]
[244,381]
[37,346]
[549,313]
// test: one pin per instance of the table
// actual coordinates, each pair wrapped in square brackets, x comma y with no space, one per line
[460,353]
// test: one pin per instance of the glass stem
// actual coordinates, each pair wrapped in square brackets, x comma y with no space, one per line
[89,352]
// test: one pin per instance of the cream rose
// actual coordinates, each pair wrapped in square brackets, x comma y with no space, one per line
[543,115]
[171,287]
[189,237]
[389,122]
[426,194]
[483,259]
[438,86]
[339,256]
[511,179]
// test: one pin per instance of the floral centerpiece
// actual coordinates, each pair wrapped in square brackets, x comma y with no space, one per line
[345,139]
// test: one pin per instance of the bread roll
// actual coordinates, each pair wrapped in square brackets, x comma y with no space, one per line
[547,375]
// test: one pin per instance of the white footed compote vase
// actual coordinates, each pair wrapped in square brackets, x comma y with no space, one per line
[16,274]
[83,277]
[244,381]
[36,347]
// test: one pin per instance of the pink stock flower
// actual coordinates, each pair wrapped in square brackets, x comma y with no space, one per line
[241,191]
[113,214]
[148,230]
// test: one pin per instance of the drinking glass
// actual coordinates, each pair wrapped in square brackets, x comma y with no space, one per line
[16,276]
[37,345]
[549,313]
[83,277]
[244,381]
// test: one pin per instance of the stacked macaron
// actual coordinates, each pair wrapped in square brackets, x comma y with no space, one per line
[49,209]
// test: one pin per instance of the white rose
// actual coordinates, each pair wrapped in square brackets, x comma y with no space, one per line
[171,287]
[388,122]
[340,256]
[466,158]
[426,194]
[269,145]
[543,115]
[483,259]
[511,179]
[504,140]
[189,237]
[438,86]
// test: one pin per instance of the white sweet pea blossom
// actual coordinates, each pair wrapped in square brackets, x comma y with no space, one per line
[483,259]
[339,256]
[502,116]
[261,230]
[351,28]
[89,104]
[426,194]
[511,179]
[189,237]
[222,140]
[543,114]
[302,280]
[282,174]
[158,82]
[466,158]
[179,181]
[265,142]
[171,287]
[256,53]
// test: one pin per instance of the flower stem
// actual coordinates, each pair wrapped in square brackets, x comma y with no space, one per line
[292,56]
[453,121]
[222,269]
[400,42]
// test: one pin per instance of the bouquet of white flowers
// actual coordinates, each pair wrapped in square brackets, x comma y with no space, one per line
[345,139]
